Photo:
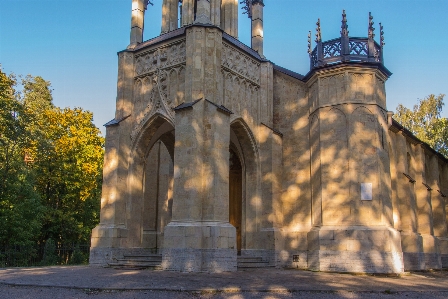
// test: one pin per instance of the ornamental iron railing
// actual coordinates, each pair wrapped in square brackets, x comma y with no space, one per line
[345,48]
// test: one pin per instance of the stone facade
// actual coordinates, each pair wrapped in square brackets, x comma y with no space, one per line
[216,152]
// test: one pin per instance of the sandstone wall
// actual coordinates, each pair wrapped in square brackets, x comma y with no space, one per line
[419,210]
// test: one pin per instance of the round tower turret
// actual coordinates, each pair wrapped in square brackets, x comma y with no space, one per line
[350,168]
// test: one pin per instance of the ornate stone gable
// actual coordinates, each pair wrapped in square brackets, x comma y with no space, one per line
[166,56]
[159,76]
[151,98]
[241,82]
[240,95]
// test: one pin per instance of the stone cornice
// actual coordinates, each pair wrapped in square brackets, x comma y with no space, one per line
[355,66]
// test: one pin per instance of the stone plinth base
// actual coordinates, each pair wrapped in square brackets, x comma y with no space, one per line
[103,256]
[292,259]
[105,244]
[420,252]
[199,260]
[356,261]
[444,260]
[108,235]
[355,249]
[265,254]
[443,248]
[415,261]
[199,247]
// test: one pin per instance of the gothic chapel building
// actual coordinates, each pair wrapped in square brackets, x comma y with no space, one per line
[218,159]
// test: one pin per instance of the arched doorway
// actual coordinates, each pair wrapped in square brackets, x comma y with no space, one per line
[235,193]
[243,184]
[157,193]
[148,207]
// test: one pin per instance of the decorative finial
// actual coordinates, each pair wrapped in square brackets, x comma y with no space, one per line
[247,7]
[318,33]
[344,27]
[309,43]
[146,2]
[382,43]
[371,29]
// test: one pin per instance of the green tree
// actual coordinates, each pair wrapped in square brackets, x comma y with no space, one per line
[50,167]
[68,167]
[36,98]
[37,95]
[20,208]
[50,257]
[426,123]
[67,153]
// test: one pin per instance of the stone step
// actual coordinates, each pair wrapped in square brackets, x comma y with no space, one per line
[147,261]
[136,266]
[135,262]
[248,259]
[252,265]
[147,257]
[244,262]
[154,261]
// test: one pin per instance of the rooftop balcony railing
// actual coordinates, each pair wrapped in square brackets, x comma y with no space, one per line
[345,48]
[337,50]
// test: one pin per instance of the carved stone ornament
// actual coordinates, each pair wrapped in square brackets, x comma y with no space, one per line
[236,62]
[157,101]
[146,3]
[160,58]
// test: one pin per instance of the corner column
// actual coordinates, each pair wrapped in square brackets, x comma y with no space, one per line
[170,11]
[110,238]
[257,26]
[137,22]
[229,17]
[200,238]
[215,12]
[203,12]
[187,12]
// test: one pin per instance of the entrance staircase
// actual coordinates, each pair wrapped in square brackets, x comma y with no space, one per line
[154,262]
[246,263]
[137,262]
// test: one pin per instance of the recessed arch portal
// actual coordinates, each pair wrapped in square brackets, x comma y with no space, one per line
[243,183]
[236,192]
[158,183]
[150,183]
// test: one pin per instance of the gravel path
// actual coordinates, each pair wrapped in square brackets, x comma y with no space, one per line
[97,283]
[26,292]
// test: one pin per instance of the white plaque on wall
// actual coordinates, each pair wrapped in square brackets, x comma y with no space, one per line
[366,191]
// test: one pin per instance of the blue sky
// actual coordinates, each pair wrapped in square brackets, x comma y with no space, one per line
[73,43]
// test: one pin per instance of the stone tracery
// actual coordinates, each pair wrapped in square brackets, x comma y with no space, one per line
[160,58]
[241,64]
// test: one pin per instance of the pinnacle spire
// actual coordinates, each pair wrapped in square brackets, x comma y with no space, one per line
[309,43]
[344,26]
[318,32]
[371,28]
[382,43]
